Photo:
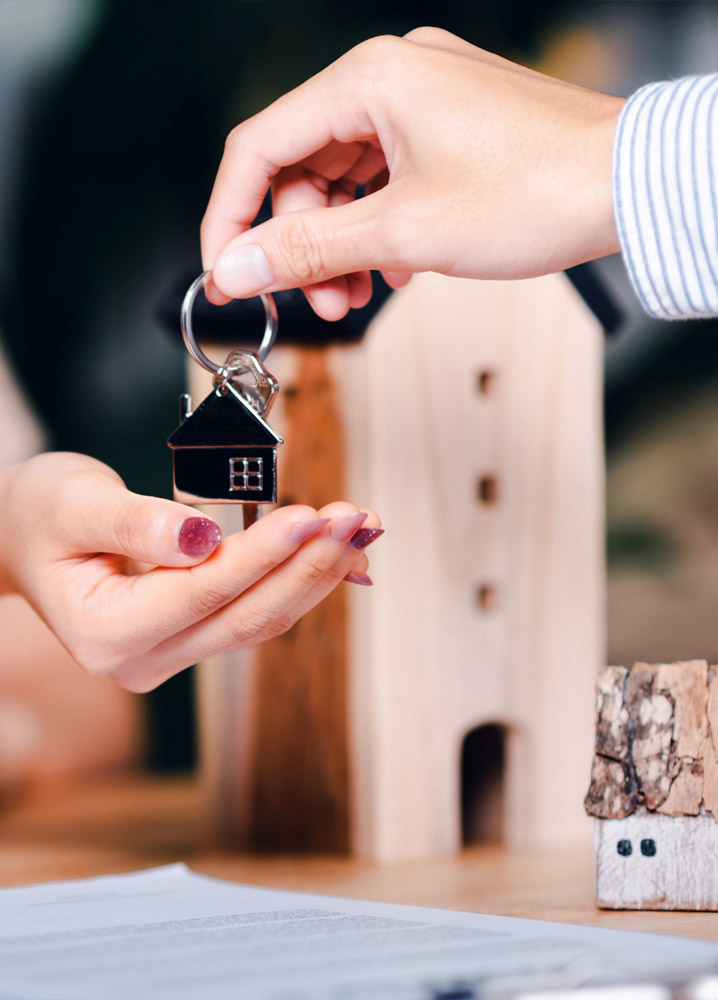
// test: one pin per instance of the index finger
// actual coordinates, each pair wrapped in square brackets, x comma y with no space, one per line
[329,106]
[164,601]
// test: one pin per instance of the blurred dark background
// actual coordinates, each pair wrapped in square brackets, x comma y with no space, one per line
[112,121]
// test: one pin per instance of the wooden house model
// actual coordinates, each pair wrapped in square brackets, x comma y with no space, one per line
[654,787]
[224,452]
[453,701]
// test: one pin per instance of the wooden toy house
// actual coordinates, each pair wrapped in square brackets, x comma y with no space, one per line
[654,787]
[453,700]
[224,452]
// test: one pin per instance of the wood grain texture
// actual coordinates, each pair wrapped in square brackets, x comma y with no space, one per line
[682,874]
[611,791]
[469,417]
[654,741]
[687,687]
[612,719]
[300,791]
[424,427]
[651,710]
[273,719]
[710,758]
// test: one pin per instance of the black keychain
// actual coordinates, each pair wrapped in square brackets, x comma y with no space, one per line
[225,451]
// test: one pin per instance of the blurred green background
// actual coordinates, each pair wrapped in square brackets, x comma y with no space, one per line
[112,121]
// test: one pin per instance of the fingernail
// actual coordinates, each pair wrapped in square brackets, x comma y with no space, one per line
[344,527]
[307,529]
[199,536]
[242,270]
[365,536]
[363,581]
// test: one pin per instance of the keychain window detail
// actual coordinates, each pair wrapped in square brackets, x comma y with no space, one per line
[246,474]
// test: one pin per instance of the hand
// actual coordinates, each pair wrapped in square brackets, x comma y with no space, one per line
[75,539]
[475,167]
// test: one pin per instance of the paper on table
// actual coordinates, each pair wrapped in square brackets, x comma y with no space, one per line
[170,934]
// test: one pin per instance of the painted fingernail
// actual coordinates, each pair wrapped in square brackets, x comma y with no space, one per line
[364,581]
[199,536]
[308,529]
[242,270]
[365,536]
[344,527]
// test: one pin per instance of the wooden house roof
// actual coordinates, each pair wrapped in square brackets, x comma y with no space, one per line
[221,421]
[656,740]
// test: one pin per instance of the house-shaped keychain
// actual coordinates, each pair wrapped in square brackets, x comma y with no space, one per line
[224,452]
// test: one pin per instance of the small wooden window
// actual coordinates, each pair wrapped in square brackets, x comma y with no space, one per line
[486,597]
[488,489]
[485,381]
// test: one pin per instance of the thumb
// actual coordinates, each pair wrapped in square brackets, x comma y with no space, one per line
[108,518]
[303,248]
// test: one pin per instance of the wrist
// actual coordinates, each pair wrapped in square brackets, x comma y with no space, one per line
[609,127]
[602,231]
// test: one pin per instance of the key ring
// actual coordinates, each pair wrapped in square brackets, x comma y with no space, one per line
[270,329]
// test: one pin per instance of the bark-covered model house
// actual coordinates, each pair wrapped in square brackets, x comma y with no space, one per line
[224,452]
[654,787]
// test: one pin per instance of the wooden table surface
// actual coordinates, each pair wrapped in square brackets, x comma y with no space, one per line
[123,824]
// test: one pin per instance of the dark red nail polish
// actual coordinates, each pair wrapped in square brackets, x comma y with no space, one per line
[365,536]
[364,580]
[199,536]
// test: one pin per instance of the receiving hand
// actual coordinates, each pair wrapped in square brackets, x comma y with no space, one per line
[474,166]
[139,588]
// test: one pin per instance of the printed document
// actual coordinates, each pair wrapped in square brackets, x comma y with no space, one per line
[171,934]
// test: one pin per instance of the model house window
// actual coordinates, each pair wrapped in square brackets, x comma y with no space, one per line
[246,474]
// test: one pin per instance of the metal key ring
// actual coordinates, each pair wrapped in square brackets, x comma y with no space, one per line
[270,329]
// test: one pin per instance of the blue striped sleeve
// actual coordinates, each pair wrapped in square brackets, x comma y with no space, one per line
[665,194]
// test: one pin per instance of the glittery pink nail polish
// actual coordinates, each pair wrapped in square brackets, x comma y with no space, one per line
[365,536]
[199,536]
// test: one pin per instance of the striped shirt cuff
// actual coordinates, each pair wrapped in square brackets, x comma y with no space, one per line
[665,196]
